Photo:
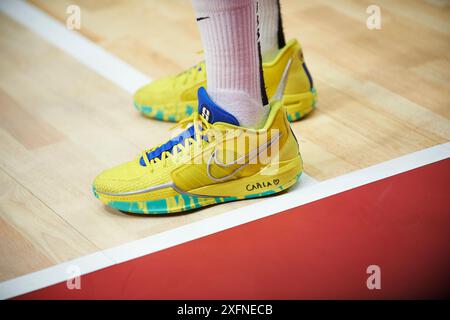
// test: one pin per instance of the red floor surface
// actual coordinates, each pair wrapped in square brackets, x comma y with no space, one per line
[319,250]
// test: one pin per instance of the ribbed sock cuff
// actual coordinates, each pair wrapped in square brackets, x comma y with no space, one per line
[216,6]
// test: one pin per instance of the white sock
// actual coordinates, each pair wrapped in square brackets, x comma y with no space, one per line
[228,29]
[270,26]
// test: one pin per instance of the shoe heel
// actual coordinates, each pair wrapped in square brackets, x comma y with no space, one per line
[299,105]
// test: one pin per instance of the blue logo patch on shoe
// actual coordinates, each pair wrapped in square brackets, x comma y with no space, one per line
[211,112]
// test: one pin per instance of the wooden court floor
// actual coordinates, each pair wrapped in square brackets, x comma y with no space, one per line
[382,94]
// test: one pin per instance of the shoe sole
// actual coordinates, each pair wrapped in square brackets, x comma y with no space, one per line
[290,174]
[300,105]
[297,107]
[159,112]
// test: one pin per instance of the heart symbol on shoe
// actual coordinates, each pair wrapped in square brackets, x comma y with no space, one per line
[276,181]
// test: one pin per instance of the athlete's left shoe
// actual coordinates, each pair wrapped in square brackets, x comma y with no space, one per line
[213,160]
[174,98]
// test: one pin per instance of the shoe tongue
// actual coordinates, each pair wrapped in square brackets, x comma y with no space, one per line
[211,112]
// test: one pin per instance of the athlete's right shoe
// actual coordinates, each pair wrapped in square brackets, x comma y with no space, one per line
[213,161]
[175,98]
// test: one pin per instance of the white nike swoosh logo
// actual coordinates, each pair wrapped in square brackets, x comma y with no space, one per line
[251,155]
[282,84]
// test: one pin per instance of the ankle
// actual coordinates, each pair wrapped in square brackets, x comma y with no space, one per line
[249,112]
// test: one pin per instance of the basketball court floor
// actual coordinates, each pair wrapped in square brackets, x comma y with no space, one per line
[376,188]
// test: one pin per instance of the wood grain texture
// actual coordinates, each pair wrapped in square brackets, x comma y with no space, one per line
[88,125]
[33,235]
[382,94]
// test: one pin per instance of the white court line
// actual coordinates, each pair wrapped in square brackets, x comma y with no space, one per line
[205,227]
[88,53]
[54,274]
[129,79]
[82,49]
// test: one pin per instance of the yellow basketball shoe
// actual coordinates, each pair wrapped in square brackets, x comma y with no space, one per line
[213,160]
[175,98]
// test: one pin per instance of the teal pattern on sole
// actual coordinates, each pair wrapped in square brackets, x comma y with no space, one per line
[314,92]
[160,114]
[144,109]
[189,110]
[190,202]
[296,117]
